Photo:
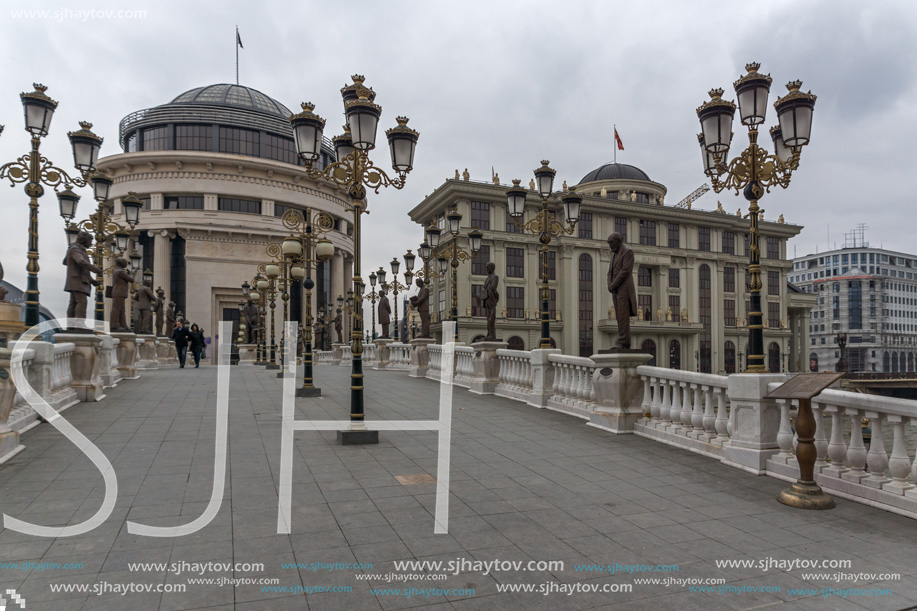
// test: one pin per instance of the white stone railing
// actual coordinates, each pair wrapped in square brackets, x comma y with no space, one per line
[685,408]
[464,368]
[33,376]
[322,357]
[370,354]
[515,374]
[435,366]
[61,395]
[399,356]
[346,355]
[572,390]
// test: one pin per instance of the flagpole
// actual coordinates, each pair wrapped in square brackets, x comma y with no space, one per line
[236,41]
[613,146]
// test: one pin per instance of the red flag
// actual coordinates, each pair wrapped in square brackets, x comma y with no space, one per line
[618,140]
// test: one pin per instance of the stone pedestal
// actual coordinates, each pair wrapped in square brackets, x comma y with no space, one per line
[146,345]
[11,325]
[337,353]
[618,390]
[9,439]
[754,421]
[85,364]
[382,344]
[247,354]
[486,367]
[542,376]
[108,371]
[127,355]
[420,356]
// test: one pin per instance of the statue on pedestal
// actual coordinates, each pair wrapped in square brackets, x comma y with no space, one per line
[465,175]
[144,298]
[621,286]
[79,281]
[339,325]
[158,307]
[170,319]
[252,322]
[121,281]
[668,314]
[421,301]
[684,315]
[659,314]
[489,299]
[385,313]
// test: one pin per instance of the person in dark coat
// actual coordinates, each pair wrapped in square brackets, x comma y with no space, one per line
[181,336]
[197,344]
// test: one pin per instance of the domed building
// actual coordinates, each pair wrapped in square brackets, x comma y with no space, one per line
[690,273]
[216,168]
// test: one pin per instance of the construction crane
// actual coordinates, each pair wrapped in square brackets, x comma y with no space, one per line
[686,202]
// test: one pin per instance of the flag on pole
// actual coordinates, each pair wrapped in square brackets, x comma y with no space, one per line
[239,39]
[492,173]
[618,140]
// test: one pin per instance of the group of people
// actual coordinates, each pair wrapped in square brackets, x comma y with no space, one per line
[184,338]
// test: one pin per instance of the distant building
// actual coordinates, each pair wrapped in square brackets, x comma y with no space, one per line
[871,295]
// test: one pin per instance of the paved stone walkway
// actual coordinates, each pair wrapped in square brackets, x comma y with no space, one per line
[527,484]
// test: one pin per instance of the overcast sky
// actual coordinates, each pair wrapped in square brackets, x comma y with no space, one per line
[494,84]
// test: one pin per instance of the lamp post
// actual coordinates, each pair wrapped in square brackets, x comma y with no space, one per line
[258,295]
[451,255]
[36,170]
[545,227]
[271,272]
[354,171]
[754,171]
[372,299]
[396,286]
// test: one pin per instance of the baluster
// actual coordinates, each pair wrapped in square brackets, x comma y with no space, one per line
[899,465]
[913,466]
[821,441]
[675,409]
[697,412]
[785,434]
[877,459]
[566,389]
[657,397]
[687,398]
[590,388]
[709,419]
[837,449]
[722,418]
[647,398]
[581,395]
[856,452]
[666,407]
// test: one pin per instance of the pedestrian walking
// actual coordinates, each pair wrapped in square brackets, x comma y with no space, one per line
[197,344]
[181,336]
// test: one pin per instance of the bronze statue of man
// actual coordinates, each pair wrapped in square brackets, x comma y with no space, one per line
[621,287]
[385,313]
[252,322]
[144,298]
[79,282]
[158,307]
[421,301]
[489,299]
[170,318]
[339,325]
[121,281]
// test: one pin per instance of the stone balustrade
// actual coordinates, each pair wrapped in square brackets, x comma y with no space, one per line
[370,354]
[572,390]
[515,374]
[399,357]
[464,368]
[322,357]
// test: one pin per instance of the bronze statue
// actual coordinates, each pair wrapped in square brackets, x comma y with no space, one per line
[621,286]
[841,365]
[339,325]
[385,313]
[79,282]
[144,298]
[158,307]
[421,301]
[121,281]
[252,322]
[170,318]
[489,299]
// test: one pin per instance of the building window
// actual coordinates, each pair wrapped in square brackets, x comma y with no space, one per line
[480,215]
[675,354]
[193,138]
[773,314]
[649,346]
[621,227]
[231,204]
[552,304]
[645,303]
[729,312]
[674,241]
[182,202]
[511,225]
[280,149]
[156,138]
[515,343]
[648,233]
[729,242]
[705,318]
[674,278]
[836,307]
[675,305]
[515,302]
[747,248]
[515,263]
[585,305]
[644,276]
[773,248]
[281,209]
[773,283]
[477,308]
[773,358]
[729,280]
[584,226]
[641,198]
[729,357]
[239,141]
[703,238]
[854,305]
[480,261]
[747,280]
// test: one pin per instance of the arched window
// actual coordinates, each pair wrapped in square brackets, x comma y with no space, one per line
[886,362]
[649,346]
[773,357]
[515,343]
[477,338]
[729,357]
[706,363]
[675,354]
[813,361]
[894,362]
[585,306]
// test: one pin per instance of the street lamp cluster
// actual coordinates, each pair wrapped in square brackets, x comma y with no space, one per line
[754,171]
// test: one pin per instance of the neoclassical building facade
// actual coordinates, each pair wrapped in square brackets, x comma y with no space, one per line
[690,274]
[216,168]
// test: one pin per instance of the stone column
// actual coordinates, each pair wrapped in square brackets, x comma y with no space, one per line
[420,356]
[85,364]
[755,421]
[618,390]
[542,376]
[9,439]
[146,345]
[486,367]
[162,268]
[127,355]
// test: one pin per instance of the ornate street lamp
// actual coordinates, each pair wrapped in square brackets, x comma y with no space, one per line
[545,227]
[354,172]
[452,254]
[754,171]
[36,171]
[396,286]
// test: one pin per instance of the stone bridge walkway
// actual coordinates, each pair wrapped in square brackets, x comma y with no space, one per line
[526,485]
